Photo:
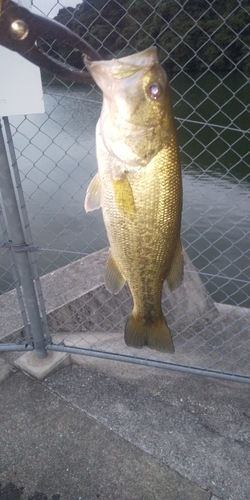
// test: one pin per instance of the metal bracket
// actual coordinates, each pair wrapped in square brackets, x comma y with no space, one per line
[19,248]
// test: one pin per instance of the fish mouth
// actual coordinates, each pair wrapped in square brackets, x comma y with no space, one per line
[103,71]
[128,65]
[139,59]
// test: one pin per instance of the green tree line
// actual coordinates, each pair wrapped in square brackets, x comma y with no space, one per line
[192,35]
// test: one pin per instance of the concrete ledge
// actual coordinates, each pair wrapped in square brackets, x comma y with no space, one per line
[76,291]
[205,334]
[39,369]
[96,309]
[59,287]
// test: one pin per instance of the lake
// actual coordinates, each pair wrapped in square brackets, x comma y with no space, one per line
[56,158]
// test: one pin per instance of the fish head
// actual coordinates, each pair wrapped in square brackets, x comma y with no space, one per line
[136,119]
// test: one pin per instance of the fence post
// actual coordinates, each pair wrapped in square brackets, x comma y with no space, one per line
[26,227]
[19,246]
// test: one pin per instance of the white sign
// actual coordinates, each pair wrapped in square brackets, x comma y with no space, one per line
[21,90]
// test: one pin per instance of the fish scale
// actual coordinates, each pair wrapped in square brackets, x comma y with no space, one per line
[139,190]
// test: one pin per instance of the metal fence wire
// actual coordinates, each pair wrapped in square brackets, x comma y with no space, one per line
[204,47]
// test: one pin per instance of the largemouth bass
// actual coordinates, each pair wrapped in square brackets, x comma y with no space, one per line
[138,186]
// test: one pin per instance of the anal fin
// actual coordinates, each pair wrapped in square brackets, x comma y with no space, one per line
[113,278]
[175,275]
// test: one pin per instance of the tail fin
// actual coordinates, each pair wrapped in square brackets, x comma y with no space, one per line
[156,336]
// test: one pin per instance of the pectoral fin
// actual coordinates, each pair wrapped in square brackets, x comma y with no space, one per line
[113,278]
[124,197]
[93,195]
[175,275]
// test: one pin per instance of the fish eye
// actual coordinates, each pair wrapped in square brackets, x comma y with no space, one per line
[155,90]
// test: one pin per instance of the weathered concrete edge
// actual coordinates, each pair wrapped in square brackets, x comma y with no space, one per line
[69,283]
[59,287]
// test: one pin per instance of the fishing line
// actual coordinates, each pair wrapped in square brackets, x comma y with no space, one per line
[225,127]
[219,276]
[61,251]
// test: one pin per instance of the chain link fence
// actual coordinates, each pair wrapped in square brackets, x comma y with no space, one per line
[204,47]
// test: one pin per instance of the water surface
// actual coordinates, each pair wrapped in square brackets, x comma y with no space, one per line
[56,158]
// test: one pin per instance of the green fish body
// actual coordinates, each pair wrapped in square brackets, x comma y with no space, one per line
[138,186]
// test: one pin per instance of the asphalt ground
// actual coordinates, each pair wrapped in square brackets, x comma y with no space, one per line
[108,430]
